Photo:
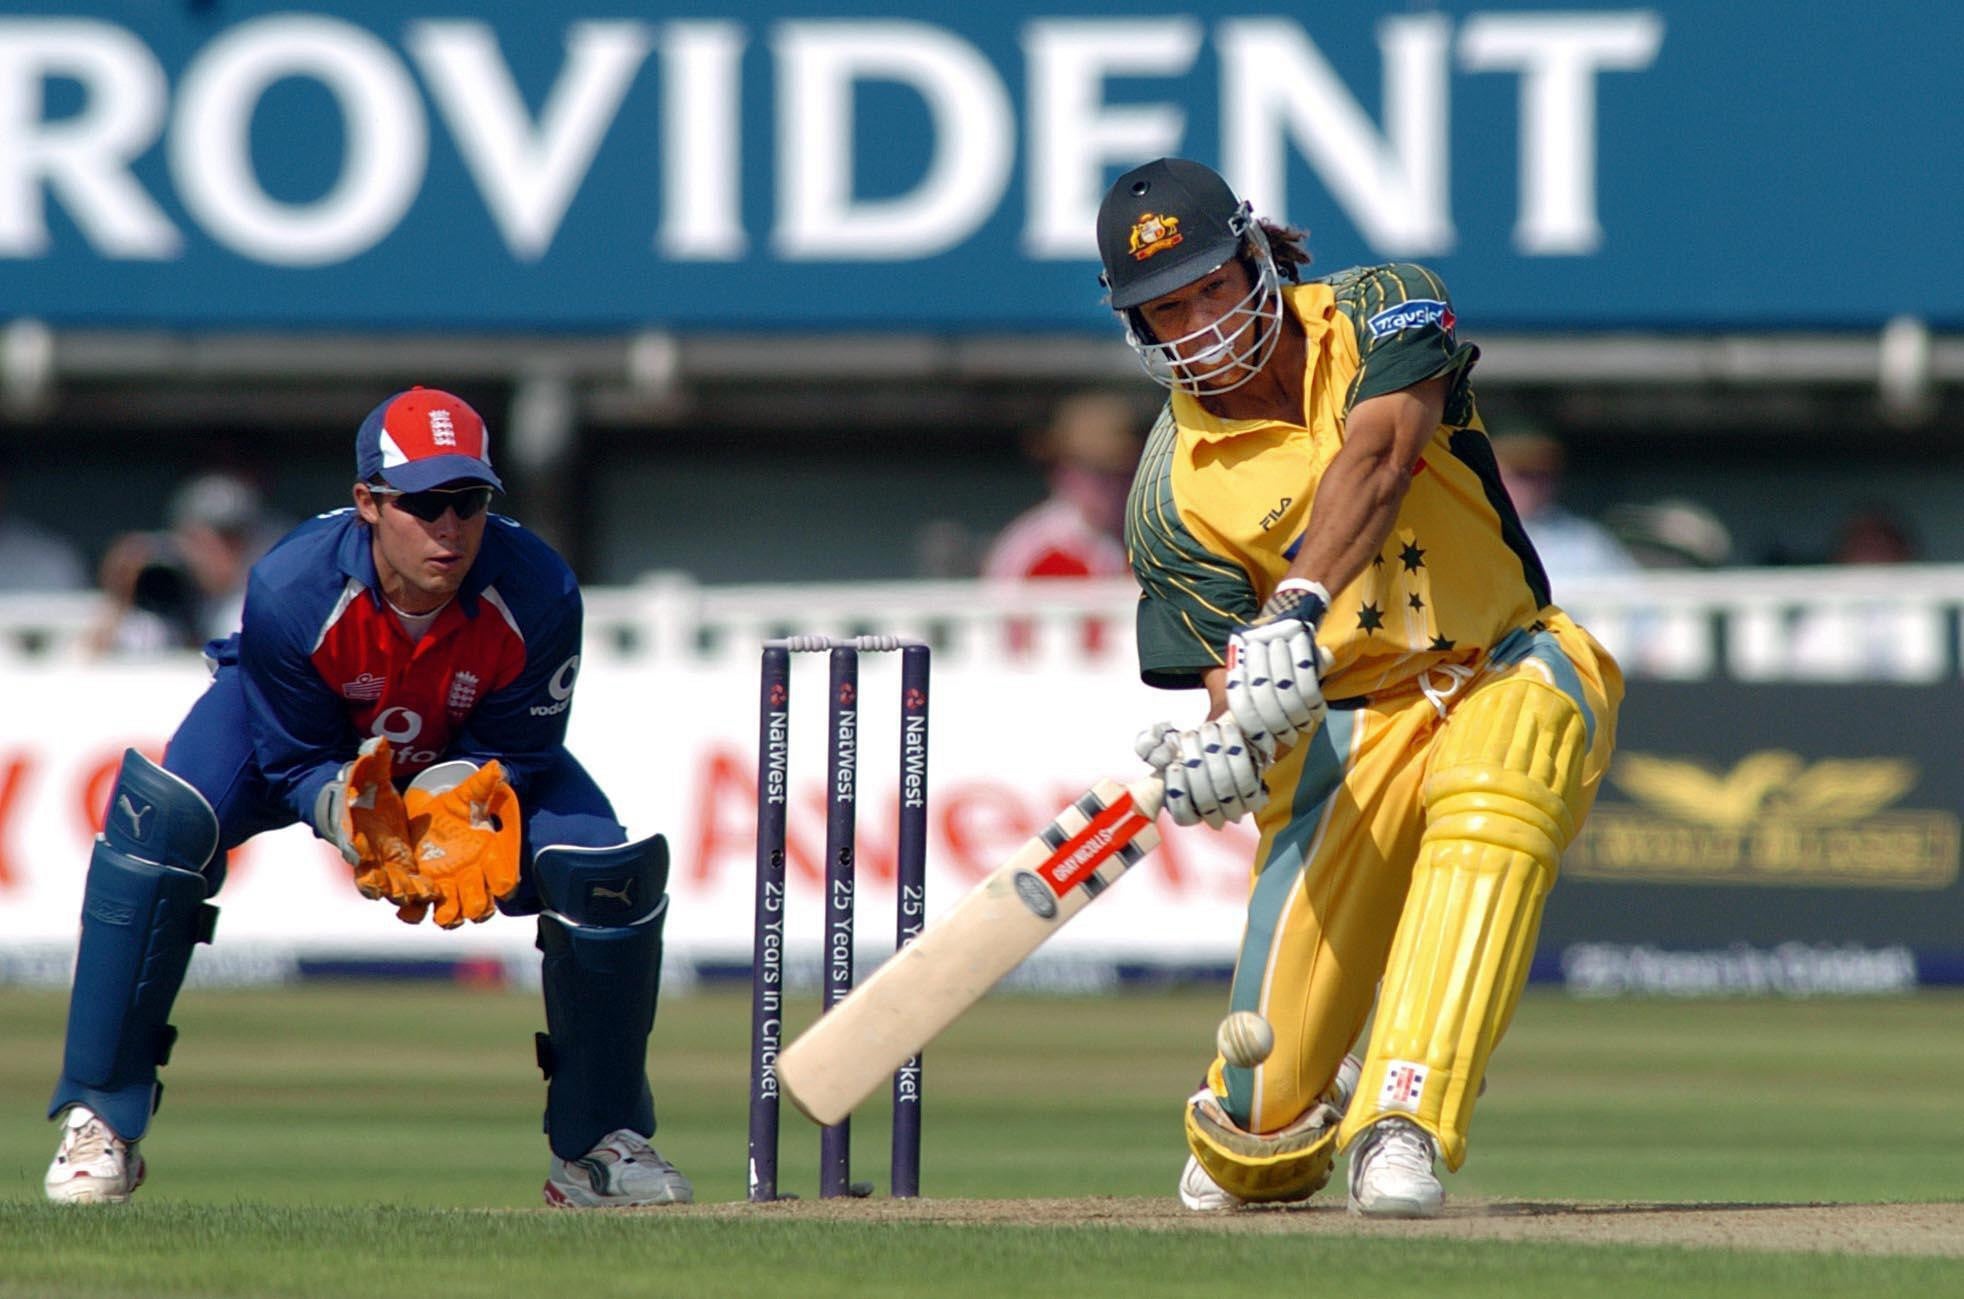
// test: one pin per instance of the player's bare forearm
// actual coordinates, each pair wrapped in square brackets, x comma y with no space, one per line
[1358,498]
[1215,679]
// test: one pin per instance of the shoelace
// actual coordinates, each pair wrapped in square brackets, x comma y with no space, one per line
[635,1152]
[1403,1147]
[631,1152]
[91,1141]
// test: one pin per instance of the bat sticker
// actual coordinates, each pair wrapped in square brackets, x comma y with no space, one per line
[1036,895]
[1109,832]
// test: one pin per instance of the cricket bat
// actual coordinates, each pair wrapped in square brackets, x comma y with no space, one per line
[927,985]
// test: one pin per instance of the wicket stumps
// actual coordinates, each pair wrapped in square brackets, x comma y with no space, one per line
[768,933]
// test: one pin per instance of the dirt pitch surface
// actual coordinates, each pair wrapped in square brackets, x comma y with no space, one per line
[1921,1229]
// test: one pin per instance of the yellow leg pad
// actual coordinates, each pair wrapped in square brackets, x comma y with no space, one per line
[1506,778]
[1292,1164]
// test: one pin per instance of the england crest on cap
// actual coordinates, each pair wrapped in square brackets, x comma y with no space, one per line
[424,438]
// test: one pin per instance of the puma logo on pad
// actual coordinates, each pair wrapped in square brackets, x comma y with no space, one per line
[136,817]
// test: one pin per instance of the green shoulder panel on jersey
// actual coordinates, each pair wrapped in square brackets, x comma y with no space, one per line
[1403,320]
[1189,597]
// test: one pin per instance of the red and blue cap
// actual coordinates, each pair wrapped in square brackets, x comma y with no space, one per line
[424,438]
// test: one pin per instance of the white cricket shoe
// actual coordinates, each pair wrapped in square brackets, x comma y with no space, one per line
[622,1172]
[1391,1173]
[1201,1193]
[92,1165]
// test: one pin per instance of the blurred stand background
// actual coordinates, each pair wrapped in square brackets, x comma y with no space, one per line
[778,322]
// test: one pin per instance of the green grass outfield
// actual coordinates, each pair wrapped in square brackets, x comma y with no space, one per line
[381,1140]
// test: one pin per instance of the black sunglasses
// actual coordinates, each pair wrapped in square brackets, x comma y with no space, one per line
[468,502]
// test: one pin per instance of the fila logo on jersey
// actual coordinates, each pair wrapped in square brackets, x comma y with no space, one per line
[442,431]
[560,688]
[1415,313]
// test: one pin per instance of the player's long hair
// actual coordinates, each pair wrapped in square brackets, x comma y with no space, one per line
[1288,245]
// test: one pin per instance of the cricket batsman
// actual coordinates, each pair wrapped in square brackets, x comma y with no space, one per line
[401,684]
[1323,544]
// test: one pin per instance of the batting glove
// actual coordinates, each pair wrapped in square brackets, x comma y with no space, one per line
[1211,773]
[1275,669]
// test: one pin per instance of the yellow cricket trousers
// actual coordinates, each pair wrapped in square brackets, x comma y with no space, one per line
[1450,824]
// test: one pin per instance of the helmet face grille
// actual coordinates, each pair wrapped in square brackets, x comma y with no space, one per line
[1220,357]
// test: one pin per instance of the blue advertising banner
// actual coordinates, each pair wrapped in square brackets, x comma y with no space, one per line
[1761,838]
[875,165]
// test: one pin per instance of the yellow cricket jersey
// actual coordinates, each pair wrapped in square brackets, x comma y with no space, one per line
[1218,507]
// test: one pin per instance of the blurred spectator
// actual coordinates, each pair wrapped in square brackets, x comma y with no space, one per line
[1089,448]
[178,588]
[1570,546]
[1874,535]
[1883,638]
[1663,640]
[32,559]
[1673,533]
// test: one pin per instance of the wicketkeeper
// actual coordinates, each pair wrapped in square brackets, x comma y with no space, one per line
[401,684]
[1324,544]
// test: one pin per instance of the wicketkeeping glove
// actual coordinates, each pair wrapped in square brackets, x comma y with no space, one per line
[360,813]
[1275,669]
[1211,773]
[466,839]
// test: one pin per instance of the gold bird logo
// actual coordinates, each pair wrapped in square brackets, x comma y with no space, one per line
[1770,783]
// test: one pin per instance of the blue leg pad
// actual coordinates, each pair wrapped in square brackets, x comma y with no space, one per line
[156,816]
[143,909]
[601,933]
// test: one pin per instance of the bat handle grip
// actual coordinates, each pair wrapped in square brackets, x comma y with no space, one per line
[1148,794]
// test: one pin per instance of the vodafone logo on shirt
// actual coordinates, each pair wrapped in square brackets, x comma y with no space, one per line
[400,727]
[560,688]
[397,725]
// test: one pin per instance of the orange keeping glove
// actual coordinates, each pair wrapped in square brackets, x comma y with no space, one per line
[466,845]
[366,820]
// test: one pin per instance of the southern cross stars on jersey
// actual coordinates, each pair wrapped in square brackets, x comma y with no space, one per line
[326,663]
[1219,507]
